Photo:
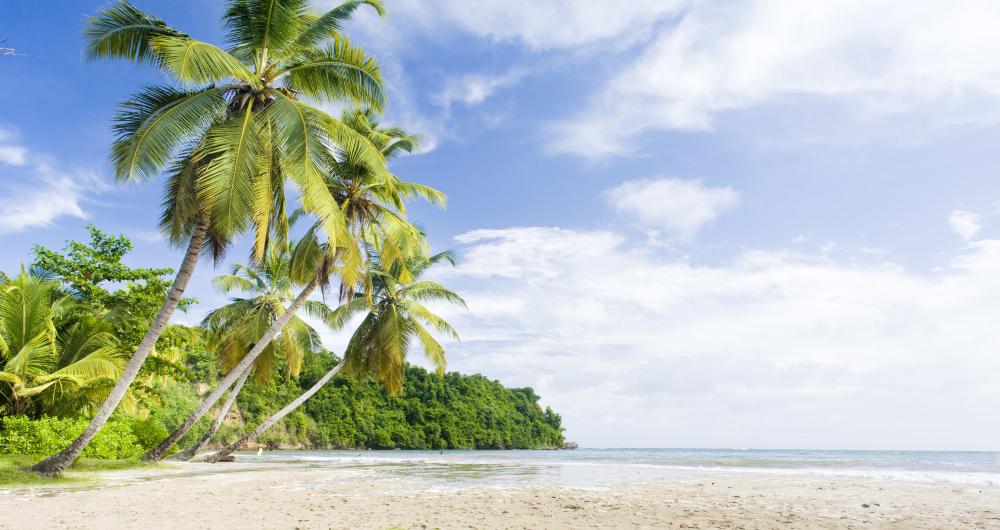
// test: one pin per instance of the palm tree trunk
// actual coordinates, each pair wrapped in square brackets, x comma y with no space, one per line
[189,453]
[57,463]
[157,453]
[268,423]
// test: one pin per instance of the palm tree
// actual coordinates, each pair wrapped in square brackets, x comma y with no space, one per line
[51,363]
[395,318]
[234,328]
[373,204]
[230,130]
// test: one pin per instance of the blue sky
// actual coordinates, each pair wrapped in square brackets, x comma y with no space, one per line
[685,223]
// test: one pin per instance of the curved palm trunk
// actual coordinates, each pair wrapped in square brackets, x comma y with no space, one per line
[189,453]
[156,453]
[268,423]
[57,463]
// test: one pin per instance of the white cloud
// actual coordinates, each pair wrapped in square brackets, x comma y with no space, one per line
[775,348]
[539,24]
[874,56]
[50,197]
[473,89]
[965,224]
[13,155]
[681,207]
[34,192]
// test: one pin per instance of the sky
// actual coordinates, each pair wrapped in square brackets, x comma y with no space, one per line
[686,223]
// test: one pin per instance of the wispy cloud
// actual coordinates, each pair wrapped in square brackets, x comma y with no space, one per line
[473,89]
[873,57]
[539,24]
[36,192]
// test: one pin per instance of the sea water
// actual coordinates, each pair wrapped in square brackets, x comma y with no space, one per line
[605,467]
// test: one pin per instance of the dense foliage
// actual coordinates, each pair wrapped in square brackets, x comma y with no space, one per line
[24,436]
[86,287]
[433,412]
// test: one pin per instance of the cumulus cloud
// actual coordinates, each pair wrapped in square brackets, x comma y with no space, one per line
[965,224]
[771,348]
[681,207]
[875,57]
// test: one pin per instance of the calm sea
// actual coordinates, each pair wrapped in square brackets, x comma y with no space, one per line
[601,467]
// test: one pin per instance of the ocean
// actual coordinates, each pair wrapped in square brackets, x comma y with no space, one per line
[606,467]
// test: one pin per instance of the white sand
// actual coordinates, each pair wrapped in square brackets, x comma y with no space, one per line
[195,496]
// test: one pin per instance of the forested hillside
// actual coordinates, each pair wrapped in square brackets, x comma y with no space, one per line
[455,411]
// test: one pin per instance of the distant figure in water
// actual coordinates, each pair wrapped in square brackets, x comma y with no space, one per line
[260,451]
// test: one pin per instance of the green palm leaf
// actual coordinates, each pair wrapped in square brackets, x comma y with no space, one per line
[227,167]
[253,26]
[180,200]
[124,32]
[328,25]
[155,122]
[34,358]
[338,73]
[194,62]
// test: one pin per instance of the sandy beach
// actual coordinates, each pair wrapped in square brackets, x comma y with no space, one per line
[194,496]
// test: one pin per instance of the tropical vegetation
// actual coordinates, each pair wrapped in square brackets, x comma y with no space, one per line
[240,136]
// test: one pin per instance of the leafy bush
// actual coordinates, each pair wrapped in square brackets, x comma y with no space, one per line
[149,431]
[46,436]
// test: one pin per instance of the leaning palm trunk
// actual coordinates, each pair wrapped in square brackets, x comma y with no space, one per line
[56,464]
[189,453]
[268,423]
[157,453]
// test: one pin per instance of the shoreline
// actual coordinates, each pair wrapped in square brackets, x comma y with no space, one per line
[279,495]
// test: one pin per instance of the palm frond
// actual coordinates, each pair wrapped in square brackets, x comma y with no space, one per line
[105,362]
[342,315]
[34,358]
[431,291]
[303,132]
[328,25]
[424,315]
[180,202]
[124,32]
[195,62]
[411,190]
[340,72]
[227,168]
[230,282]
[253,26]
[432,348]
[157,120]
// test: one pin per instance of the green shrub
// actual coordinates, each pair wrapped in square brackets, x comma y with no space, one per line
[46,436]
[149,431]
